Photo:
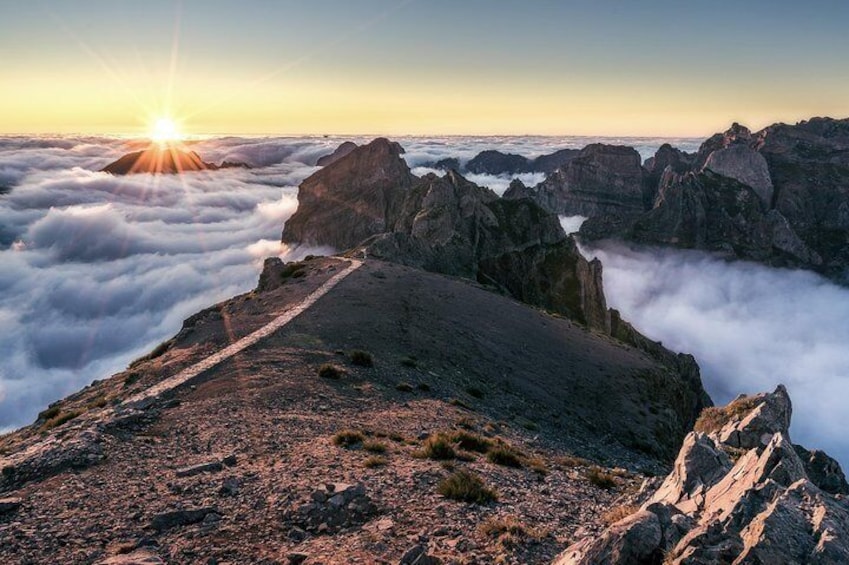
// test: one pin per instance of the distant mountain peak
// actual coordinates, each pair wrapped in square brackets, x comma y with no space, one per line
[164,159]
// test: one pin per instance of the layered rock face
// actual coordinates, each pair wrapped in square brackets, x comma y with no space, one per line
[601,180]
[370,200]
[740,492]
[164,160]
[779,196]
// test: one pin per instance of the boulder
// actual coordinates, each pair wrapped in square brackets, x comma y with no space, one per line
[635,539]
[207,467]
[761,417]
[745,165]
[823,471]
[183,517]
[333,506]
[418,555]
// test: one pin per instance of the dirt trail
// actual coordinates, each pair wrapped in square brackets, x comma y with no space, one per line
[207,363]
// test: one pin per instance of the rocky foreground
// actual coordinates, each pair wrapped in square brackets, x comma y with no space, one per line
[740,492]
[404,413]
[452,389]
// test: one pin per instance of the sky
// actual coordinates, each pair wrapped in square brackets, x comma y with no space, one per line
[419,67]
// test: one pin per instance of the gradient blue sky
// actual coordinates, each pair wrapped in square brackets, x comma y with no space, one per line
[422,66]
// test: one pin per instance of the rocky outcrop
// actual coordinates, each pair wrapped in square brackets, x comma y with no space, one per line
[493,162]
[779,196]
[333,506]
[447,164]
[343,149]
[549,163]
[356,197]
[49,457]
[169,160]
[740,492]
[602,180]
[745,165]
[370,200]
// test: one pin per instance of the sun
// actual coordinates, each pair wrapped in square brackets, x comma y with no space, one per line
[165,131]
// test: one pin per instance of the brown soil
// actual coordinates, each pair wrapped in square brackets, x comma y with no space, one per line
[471,359]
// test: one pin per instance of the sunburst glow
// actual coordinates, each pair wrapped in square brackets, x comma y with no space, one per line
[164,131]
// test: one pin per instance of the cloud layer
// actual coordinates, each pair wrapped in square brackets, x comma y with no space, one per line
[97,269]
[749,326]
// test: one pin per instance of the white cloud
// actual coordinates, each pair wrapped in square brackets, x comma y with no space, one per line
[749,326]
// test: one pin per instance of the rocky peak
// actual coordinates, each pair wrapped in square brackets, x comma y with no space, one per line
[739,492]
[668,156]
[517,189]
[164,159]
[744,164]
[343,149]
[600,180]
[495,163]
[366,188]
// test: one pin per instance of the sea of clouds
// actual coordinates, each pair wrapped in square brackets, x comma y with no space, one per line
[95,270]
[749,326]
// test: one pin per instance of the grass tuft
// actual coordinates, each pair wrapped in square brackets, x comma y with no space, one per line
[504,455]
[361,358]
[713,418]
[471,442]
[348,438]
[375,461]
[331,371]
[438,447]
[509,531]
[374,447]
[600,478]
[59,419]
[467,487]
[618,512]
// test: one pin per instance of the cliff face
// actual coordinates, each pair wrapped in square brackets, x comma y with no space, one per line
[354,197]
[600,180]
[740,492]
[369,201]
[778,196]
